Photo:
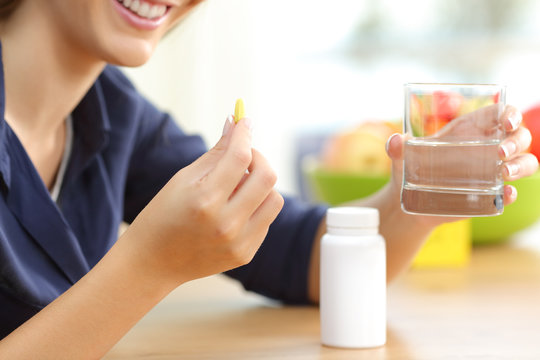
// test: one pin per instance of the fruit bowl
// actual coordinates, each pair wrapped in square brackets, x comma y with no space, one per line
[335,188]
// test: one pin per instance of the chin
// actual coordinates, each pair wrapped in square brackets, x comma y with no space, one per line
[130,55]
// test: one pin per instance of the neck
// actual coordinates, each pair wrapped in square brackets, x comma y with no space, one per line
[45,75]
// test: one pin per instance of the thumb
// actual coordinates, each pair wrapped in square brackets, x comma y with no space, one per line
[209,159]
[394,149]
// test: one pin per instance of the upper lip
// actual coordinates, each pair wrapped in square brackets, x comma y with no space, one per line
[166,3]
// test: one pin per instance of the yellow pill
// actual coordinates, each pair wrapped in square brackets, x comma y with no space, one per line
[239,110]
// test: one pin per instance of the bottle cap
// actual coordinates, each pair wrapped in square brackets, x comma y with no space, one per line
[352,217]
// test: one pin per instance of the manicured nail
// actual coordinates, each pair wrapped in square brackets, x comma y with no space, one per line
[515,119]
[513,193]
[389,140]
[508,149]
[511,169]
[510,192]
[248,123]
[228,125]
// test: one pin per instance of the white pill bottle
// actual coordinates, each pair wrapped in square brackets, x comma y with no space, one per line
[353,279]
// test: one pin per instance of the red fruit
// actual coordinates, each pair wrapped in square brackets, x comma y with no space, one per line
[432,125]
[446,105]
[531,120]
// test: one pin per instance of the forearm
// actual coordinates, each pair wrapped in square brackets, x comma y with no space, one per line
[185,232]
[404,235]
[89,318]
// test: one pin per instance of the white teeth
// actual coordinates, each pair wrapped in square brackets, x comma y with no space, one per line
[161,10]
[153,12]
[135,6]
[144,9]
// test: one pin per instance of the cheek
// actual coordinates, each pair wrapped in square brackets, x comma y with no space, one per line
[95,28]
[116,42]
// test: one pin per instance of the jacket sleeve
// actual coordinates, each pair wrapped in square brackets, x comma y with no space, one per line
[279,270]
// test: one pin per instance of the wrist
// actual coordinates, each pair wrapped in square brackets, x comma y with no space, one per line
[392,216]
[142,265]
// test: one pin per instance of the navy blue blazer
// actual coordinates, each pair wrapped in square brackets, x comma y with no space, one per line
[124,150]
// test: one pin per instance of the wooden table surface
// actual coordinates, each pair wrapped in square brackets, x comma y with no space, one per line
[488,310]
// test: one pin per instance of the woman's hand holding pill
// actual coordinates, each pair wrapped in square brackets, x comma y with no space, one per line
[212,216]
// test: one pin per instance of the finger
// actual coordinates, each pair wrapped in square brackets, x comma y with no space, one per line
[481,122]
[511,118]
[234,161]
[240,183]
[208,160]
[521,166]
[255,232]
[515,143]
[394,147]
[256,187]
[265,214]
[510,194]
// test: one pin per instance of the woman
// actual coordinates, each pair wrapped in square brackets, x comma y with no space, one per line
[81,151]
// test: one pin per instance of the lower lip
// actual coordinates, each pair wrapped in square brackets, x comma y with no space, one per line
[136,20]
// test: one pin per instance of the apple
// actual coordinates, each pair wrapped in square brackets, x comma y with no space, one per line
[531,120]
[431,112]
[446,105]
[361,150]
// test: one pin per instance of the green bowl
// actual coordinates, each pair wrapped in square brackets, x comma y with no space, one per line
[524,212]
[336,188]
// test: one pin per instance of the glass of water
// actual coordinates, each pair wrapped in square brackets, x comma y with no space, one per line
[451,162]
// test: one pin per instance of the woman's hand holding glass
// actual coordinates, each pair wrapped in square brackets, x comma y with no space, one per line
[517,163]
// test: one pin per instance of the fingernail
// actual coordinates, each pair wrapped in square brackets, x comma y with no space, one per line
[515,119]
[512,192]
[228,125]
[389,140]
[508,149]
[248,123]
[511,169]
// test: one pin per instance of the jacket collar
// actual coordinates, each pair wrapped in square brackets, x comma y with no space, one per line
[5,172]
[26,194]
[91,130]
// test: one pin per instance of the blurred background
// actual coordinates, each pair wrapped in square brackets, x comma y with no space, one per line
[306,68]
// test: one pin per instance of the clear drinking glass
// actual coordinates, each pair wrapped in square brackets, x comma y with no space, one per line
[451,161]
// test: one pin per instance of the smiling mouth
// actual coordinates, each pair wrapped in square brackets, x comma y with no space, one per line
[145,9]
